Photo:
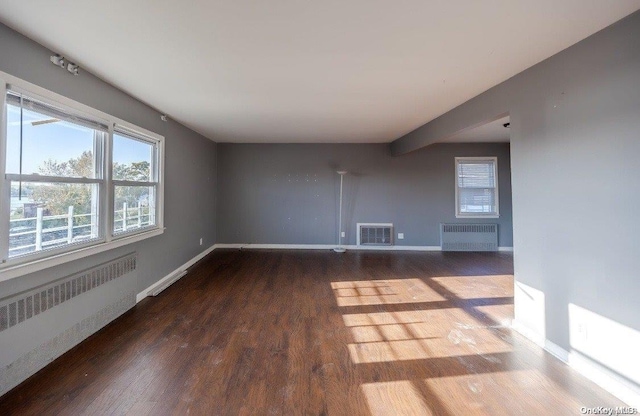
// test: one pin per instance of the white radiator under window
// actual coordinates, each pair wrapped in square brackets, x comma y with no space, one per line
[469,237]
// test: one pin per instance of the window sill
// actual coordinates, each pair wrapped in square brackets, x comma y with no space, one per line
[13,271]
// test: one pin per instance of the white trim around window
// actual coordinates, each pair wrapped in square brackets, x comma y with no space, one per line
[484,179]
[104,238]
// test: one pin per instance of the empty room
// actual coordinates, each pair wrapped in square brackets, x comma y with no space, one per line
[330,208]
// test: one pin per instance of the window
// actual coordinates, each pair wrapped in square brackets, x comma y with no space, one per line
[54,172]
[75,180]
[135,181]
[477,187]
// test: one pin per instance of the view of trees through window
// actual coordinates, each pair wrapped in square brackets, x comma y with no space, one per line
[133,199]
[58,200]
[74,177]
[59,197]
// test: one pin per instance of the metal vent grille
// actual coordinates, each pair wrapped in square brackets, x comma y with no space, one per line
[18,308]
[469,237]
[375,234]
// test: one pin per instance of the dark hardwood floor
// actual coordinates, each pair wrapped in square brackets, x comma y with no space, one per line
[292,332]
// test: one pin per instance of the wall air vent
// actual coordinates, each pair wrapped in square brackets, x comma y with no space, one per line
[375,234]
[469,237]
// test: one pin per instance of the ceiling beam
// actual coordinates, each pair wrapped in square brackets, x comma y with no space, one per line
[491,105]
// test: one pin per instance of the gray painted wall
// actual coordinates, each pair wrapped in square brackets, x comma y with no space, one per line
[190,166]
[575,148]
[288,193]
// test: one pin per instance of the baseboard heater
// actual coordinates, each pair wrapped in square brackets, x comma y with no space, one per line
[469,237]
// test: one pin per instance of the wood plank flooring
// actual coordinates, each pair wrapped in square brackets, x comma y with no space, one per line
[316,333]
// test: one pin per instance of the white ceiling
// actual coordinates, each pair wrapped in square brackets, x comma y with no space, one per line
[304,71]
[494,131]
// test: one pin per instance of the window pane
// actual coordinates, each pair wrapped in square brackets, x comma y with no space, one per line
[477,200]
[476,175]
[132,159]
[134,208]
[51,215]
[50,146]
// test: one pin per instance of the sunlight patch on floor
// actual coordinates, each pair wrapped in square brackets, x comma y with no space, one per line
[487,393]
[473,287]
[383,292]
[394,398]
[414,335]
[422,349]
[475,393]
[501,315]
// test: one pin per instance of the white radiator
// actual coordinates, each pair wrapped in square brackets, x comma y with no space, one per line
[469,237]
[42,323]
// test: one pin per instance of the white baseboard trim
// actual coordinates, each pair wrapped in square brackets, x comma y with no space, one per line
[331,246]
[238,246]
[172,277]
[620,387]
[278,246]
[394,248]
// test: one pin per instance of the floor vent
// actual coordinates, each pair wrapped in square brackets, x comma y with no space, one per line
[469,237]
[375,234]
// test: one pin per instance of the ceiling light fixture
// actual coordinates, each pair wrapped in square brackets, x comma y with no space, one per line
[73,68]
[57,60]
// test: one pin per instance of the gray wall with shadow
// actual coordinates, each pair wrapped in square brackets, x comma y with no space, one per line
[575,149]
[289,193]
[190,167]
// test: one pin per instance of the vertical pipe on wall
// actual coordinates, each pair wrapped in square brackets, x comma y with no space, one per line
[340,248]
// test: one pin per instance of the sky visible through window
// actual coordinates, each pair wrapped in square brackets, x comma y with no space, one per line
[59,141]
[126,151]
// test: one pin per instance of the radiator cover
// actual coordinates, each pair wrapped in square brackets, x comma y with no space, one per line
[469,237]
[42,323]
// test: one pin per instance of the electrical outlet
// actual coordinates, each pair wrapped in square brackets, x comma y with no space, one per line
[400,236]
[200,240]
[582,331]
[343,234]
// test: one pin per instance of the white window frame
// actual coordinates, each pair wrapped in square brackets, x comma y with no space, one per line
[107,240]
[130,131]
[459,214]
